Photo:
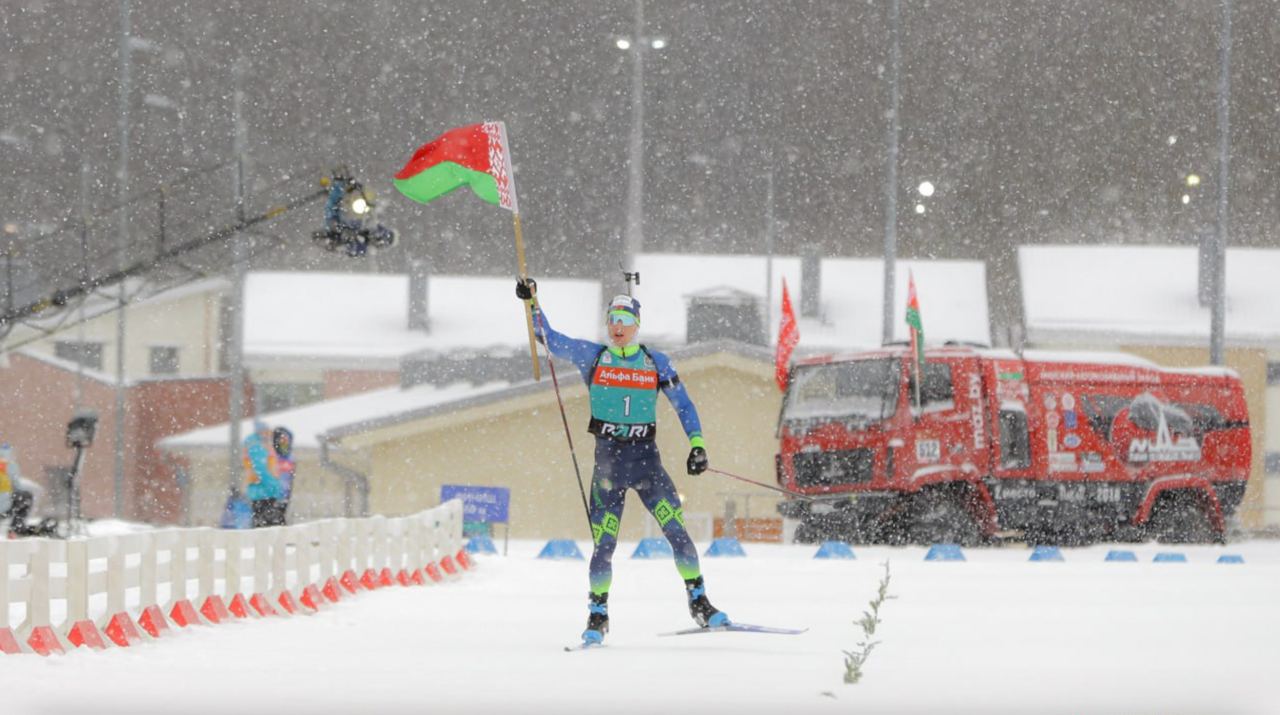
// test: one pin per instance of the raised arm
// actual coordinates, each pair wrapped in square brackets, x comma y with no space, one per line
[582,353]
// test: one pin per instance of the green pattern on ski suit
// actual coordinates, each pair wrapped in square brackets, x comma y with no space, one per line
[623,466]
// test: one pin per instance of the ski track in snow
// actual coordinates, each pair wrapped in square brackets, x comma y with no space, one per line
[996,634]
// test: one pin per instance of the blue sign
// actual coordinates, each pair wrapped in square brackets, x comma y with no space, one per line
[487,504]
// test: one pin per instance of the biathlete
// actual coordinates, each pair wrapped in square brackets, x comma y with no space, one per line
[623,380]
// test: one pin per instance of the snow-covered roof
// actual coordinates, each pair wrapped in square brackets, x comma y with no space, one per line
[362,319]
[342,319]
[668,280]
[310,421]
[484,314]
[952,294]
[1149,293]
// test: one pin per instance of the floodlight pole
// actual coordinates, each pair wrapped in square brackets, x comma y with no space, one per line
[1217,314]
[635,149]
[234,343]
[123,252]
[891,182]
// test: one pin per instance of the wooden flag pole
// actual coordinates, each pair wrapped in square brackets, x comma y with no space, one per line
[528,304]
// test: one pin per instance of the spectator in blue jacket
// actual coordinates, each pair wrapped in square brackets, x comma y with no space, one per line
[262,483]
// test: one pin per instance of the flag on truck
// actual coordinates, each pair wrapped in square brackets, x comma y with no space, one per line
[788,336]
[917,331]
[477,156]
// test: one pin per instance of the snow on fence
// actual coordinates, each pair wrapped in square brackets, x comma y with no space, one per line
[121,589]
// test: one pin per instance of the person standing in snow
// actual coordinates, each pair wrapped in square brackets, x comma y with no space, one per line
[17,497]
[263,487]
[282,444]
[623,380]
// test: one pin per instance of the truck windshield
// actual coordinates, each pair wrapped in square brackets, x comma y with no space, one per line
[865,389]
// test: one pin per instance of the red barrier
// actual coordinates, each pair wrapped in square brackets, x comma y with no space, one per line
[311,597]
[417,579]
[121,630]
[385,578]
[288,603]
[465,559]
[153,622]
[184,614]
[349,581]
[331,590]
[215,610]
[84,634]
[45,642]
[9,642]
[433,572]
[262,605]
[239,606]
[449,567]
[369,579]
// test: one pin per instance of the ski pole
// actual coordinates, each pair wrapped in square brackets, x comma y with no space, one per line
[762,485]
[577,471]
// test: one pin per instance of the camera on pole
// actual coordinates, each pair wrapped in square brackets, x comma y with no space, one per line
[80,432]
[81,429]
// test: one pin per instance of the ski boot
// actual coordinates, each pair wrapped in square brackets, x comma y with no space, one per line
[704,614]
[379,236]
[357,246]
[329,238]
[597,619]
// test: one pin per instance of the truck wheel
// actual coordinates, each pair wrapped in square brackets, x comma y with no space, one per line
[806,534]
[1179,519]
[939,516]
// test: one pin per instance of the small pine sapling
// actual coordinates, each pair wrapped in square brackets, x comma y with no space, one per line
[856,658]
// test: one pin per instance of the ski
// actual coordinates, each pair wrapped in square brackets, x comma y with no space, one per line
[583,646]
[738,628]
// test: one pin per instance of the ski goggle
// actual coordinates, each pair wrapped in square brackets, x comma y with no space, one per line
[621,317]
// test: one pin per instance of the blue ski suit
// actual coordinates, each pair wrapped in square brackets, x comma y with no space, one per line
[623,384]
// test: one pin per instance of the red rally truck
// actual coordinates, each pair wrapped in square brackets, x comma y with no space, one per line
[1066,448]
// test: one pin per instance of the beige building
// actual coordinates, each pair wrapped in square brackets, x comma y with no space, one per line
[169,334]
[1144,300]
[425,437]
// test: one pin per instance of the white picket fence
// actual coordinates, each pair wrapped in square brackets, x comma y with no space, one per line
[106,591]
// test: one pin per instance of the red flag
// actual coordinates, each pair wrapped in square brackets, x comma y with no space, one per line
[917,331]
[788,336]
[477,156]
[913,319]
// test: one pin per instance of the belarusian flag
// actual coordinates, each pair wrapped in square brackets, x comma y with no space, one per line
[476,155]
[913,319]
[917,330]
[788,336]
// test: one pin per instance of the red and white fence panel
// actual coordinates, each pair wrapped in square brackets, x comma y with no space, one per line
[109,591]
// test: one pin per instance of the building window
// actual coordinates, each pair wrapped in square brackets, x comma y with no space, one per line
[87,354]
[164,361]
[276,396]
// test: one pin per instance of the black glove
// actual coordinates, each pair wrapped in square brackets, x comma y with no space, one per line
[697,463]
[526,288]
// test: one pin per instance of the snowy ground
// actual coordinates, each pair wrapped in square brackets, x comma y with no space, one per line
[996,634]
